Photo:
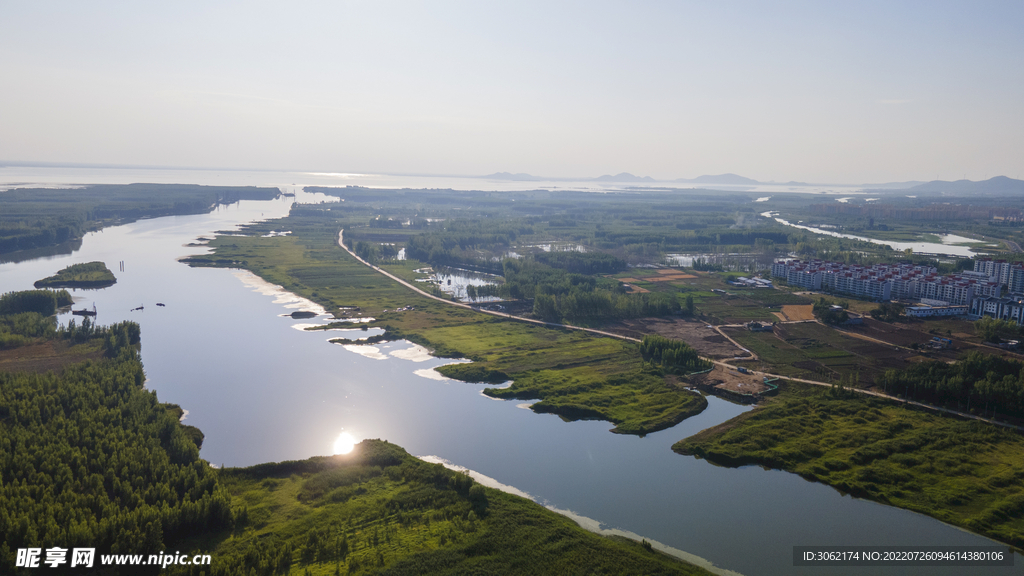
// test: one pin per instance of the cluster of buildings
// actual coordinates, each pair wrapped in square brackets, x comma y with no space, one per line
[751,282]
[976,293]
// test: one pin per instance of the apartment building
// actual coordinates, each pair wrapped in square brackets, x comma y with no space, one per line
[889,281]
[1008,308]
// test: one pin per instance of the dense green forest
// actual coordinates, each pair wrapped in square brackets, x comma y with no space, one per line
[91,459]
[82,275]
[979,383]
[41,217]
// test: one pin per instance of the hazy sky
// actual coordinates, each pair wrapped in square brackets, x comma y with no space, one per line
[822,91]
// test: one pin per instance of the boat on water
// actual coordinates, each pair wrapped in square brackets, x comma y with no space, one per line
[85,311]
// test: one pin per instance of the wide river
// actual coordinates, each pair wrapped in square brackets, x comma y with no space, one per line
[263,390]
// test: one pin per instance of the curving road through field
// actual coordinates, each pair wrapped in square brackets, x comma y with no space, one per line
[716,362]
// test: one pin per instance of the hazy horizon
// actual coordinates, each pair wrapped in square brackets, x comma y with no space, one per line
[540,178]
[845,94]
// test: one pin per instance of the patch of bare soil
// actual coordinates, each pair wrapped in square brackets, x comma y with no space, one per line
[800,312]
[42,357]
[906,335]
[706,341]
[731,380]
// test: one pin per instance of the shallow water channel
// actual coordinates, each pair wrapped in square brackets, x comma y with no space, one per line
[262,390]
[951,246]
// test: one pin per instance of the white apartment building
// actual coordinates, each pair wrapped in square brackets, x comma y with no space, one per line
[1001,308]
[888,281]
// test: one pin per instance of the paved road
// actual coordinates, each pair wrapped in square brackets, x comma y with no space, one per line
[1013,245]
[621,337]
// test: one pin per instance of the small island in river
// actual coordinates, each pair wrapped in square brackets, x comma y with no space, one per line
[85,275]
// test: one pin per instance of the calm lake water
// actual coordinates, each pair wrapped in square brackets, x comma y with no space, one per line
[262,390]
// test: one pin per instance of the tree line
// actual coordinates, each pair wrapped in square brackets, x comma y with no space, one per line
[672,355]
[35,218]
[44,302]
[979,382]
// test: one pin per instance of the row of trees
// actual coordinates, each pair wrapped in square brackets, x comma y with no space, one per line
[115,337]
[581,262]
[36,218]
[43,302]
[978,382]
[602,305]
[374,252]
[25,235]
[672,355]
[696,238]
[995,330]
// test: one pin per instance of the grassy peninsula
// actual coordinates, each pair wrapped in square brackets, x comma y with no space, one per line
[84,275]
[573,374]
[963,472]
[379,510]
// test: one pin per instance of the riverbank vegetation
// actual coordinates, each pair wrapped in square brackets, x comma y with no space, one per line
[93,460]
[83,275]
[963,472]
[572,373]
[42,217]
[44,302]
[378,510]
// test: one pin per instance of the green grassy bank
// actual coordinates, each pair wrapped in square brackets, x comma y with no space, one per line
[573,374]
[965,473]
[378,510]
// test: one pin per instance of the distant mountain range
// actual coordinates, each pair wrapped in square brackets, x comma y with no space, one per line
[719,179]
[893,185]
[624,177]
[997,185]
[523,177]
[520,177]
